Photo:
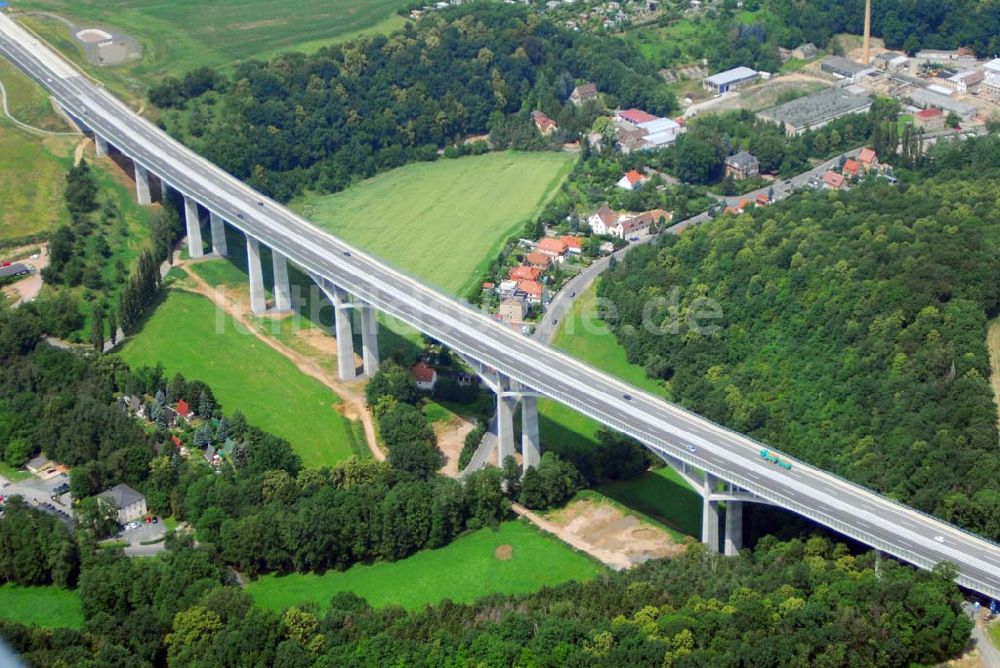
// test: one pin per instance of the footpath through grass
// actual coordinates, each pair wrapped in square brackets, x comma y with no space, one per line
[51,607]
[32,168]
[442,221]
[188,334]
[469,568]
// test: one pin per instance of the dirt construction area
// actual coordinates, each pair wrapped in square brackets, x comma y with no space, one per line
[618,537]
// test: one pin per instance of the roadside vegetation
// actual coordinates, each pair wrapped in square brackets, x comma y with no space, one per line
[514,558]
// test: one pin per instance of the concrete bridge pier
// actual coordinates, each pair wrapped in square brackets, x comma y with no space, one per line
[218,227]
[733,541]
[100,146]
[282,292]
[531,446]
[257,302]
[506,405]
[709,515]
[369,338]
[142,184]
[192,219]
[344,334]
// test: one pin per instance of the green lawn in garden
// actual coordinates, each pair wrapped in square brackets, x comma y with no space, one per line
[51,607]
[188,334]
[442,221]
[462,571]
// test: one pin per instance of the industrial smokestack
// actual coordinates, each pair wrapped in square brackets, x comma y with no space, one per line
[866,56]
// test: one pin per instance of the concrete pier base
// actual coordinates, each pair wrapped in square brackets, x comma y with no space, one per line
[344,334]
[218,235]
[257,302]
[100,146]
[142,185]
[369,340]
[733,541]
[192,219]
[282,292]
[531,447]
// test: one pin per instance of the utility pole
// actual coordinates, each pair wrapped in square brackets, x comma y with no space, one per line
[866,56]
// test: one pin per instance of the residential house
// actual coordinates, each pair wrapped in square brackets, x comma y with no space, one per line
[631,180]
[833,180]
[507,288]
[524,274]
[511,310]
[212,456]
[733,79]
[546,126]
[424,376]
[539,260]
[183,409]
[489,286]
[868,159]
[129,505]
[743,165]
[602,220]
[852,168]
[929,120]
[552,247]
[635,117]
[532,291]
[574,245]
[762,199]
[638,130]
[584,94]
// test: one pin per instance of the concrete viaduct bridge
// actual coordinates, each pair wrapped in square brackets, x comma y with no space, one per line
[518,368]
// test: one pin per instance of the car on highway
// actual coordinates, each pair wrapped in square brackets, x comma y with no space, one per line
[347,253]
[939,539]
[573,294]
[627,397]
[692,449]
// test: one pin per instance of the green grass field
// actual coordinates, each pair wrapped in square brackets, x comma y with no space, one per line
[442,221]
[182,35]
[184,334]
[29,206]
[463,571]
[51,607]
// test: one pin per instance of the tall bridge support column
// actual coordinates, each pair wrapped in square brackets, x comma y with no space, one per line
[100,146]
[709,515]
[344,334]
[282,293]
[218,235]
[369,339]
[142,185]
[531,447]
[505,426]
[192,219]
[257,302]
[733,541]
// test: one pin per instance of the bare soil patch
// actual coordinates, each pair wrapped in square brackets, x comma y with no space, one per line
[993,344]
[504,552]
[450,440]
[609,529]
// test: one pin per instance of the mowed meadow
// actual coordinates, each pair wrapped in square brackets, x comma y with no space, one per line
[188,334]
[442,221]
[182,35]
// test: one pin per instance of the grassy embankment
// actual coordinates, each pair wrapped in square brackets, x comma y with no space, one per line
[51,607]
[468,568]
[661,494]
[32,167]
[188,334]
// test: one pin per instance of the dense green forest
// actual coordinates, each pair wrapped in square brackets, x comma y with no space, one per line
[903,24]
[325,120]
[795,603]
[853,333]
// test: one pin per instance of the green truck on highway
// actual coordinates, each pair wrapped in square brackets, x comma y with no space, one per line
[775,459]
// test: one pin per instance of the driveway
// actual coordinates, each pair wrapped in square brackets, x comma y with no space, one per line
[146,533]
[38,493]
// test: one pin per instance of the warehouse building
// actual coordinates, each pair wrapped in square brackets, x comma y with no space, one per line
[816,110]
[843,68]
[927,99]
[733,79]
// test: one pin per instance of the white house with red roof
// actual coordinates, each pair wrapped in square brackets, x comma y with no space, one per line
[545,125]
[424,376]
[552,247]
[833,180]
[574,245]
[868,159]
[640,130]
[632,180]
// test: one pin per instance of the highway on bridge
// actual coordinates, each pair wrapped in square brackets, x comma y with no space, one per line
[661,426]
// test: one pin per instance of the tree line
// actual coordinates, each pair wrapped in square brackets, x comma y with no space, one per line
[852,332]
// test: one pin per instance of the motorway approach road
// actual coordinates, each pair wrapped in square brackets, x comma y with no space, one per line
[663,427]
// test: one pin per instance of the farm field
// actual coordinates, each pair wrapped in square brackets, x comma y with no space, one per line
[442,221]
[184,334]
[51,607]
[472,566]
[179,36]
[35,205]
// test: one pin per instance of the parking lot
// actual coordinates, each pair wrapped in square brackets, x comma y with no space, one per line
[40,492]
